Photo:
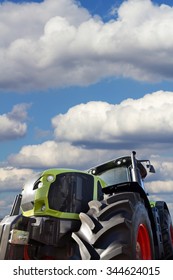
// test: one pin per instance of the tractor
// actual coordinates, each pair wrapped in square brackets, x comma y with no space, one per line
[103,213]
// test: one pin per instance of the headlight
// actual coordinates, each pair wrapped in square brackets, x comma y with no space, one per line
[50,178]
[40,184]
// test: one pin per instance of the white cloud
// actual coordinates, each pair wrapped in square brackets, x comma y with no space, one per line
[83,122]
[10,129]
[12,124]
[19,112]
[27,20]
[93,132]
[12,179]
[52,154]
[160,187]
[58,43]
[141,121]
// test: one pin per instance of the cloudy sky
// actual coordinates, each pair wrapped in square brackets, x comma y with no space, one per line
[82,82]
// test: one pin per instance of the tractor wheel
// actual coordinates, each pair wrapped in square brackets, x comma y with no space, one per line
[166,231]
[117,229]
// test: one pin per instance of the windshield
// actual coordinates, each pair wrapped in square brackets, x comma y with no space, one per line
[115,175]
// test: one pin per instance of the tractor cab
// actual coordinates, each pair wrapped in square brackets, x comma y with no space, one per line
[122,170]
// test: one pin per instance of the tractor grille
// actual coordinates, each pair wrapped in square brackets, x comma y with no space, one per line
[71,192]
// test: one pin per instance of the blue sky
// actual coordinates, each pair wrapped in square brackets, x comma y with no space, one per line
[82,82]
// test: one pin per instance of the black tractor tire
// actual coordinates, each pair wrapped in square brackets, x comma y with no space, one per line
[116,229]
[166,230]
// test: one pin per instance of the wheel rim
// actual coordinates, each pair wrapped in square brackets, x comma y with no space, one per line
[143,247]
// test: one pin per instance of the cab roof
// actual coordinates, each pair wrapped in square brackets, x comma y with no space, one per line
[121,161]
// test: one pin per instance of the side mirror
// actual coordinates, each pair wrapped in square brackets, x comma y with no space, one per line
[151,168]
